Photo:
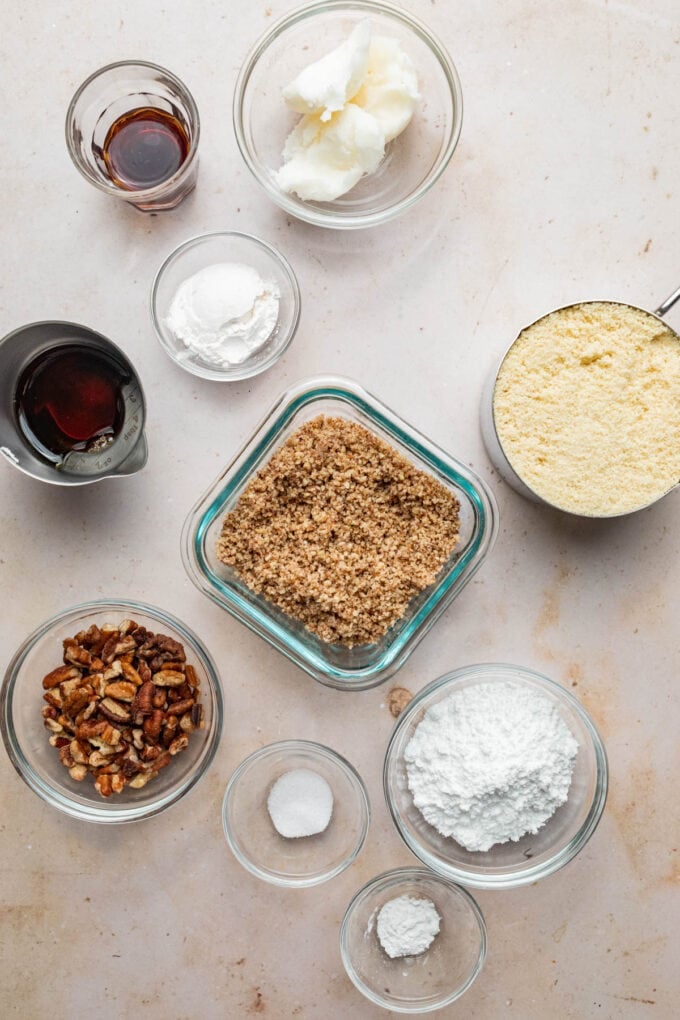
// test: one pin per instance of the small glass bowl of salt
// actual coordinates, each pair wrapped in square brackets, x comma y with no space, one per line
[295,813]
[396,957]
[225,305]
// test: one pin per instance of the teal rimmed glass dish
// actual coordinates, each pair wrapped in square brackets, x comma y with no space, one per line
[337,666]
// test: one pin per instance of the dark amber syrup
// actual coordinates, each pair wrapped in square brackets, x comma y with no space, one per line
[144,147]
[70,398]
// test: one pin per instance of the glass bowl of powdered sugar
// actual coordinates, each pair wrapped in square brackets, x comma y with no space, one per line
[225,305]
[411,941]
[495,776]
[295,813]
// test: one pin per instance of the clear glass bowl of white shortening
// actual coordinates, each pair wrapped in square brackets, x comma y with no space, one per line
[534,855]
[413,162]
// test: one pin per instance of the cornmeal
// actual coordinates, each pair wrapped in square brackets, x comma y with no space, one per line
[587,408]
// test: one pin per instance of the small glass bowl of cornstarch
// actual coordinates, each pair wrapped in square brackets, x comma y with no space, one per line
[295,813]
[441,967]
[534,784]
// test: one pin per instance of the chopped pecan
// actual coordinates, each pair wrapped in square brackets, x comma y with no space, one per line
[180,707]
[65,756]
[142,703]
[168,678]
[121,706]
[104,784]
[141,779]
[80,656]
[160,697]
[152,725]
[131,674]
[80,751]
[115,711]
[169,730]
[77,700]
[121,690]
[179,743]
[117,645]
[58,741]
[58,675]
[53,697]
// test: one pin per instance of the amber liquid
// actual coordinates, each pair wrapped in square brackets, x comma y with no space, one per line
[143,148]
[69,399]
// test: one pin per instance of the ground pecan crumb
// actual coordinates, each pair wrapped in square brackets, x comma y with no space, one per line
[397,700]
[340,531]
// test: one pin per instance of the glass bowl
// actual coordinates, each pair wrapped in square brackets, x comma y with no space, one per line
[414,984]
[26,738]
[412,162]
[337,666]
[110,94]
[300,861]
[226,246]
[533,856]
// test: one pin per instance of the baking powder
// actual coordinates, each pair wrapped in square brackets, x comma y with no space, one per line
[224,313]
[490,763]
[407,926]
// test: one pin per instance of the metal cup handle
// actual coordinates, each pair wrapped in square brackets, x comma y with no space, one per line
[668,303]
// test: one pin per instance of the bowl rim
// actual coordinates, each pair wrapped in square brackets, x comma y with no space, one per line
[531,872]
[142,194]
[298,208]
[424,452]
[394,877]
[243,371]
[314,748]
[94,812]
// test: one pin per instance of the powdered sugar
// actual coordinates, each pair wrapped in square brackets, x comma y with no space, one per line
[490,763]
[407,926]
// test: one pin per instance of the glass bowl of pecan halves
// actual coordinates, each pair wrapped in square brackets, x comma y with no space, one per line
[111,710]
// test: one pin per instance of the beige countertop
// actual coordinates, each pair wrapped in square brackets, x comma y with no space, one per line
[564,186]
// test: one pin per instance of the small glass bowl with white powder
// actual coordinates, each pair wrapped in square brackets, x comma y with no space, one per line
[411,941]
[495,776]
[295,813]
[225,305]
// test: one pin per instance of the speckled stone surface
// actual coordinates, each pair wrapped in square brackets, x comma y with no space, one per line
[564,186]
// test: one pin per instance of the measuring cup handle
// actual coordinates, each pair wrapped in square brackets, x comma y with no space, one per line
[668,303]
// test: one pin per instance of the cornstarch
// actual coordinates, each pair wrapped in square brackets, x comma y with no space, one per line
[490,763]
[407,926]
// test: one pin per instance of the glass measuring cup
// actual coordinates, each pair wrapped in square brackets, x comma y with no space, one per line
[122,453]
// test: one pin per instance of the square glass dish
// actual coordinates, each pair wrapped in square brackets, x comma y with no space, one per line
[337,666]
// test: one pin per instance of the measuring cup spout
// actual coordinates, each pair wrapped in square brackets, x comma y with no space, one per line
[136,460]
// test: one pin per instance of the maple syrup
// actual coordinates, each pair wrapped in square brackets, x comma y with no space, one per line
[144,147]
[70,398]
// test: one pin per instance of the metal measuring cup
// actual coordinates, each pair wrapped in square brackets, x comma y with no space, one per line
[489,431]
[126,454]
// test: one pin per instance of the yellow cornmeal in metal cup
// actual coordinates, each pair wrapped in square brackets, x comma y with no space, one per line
[587,408]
